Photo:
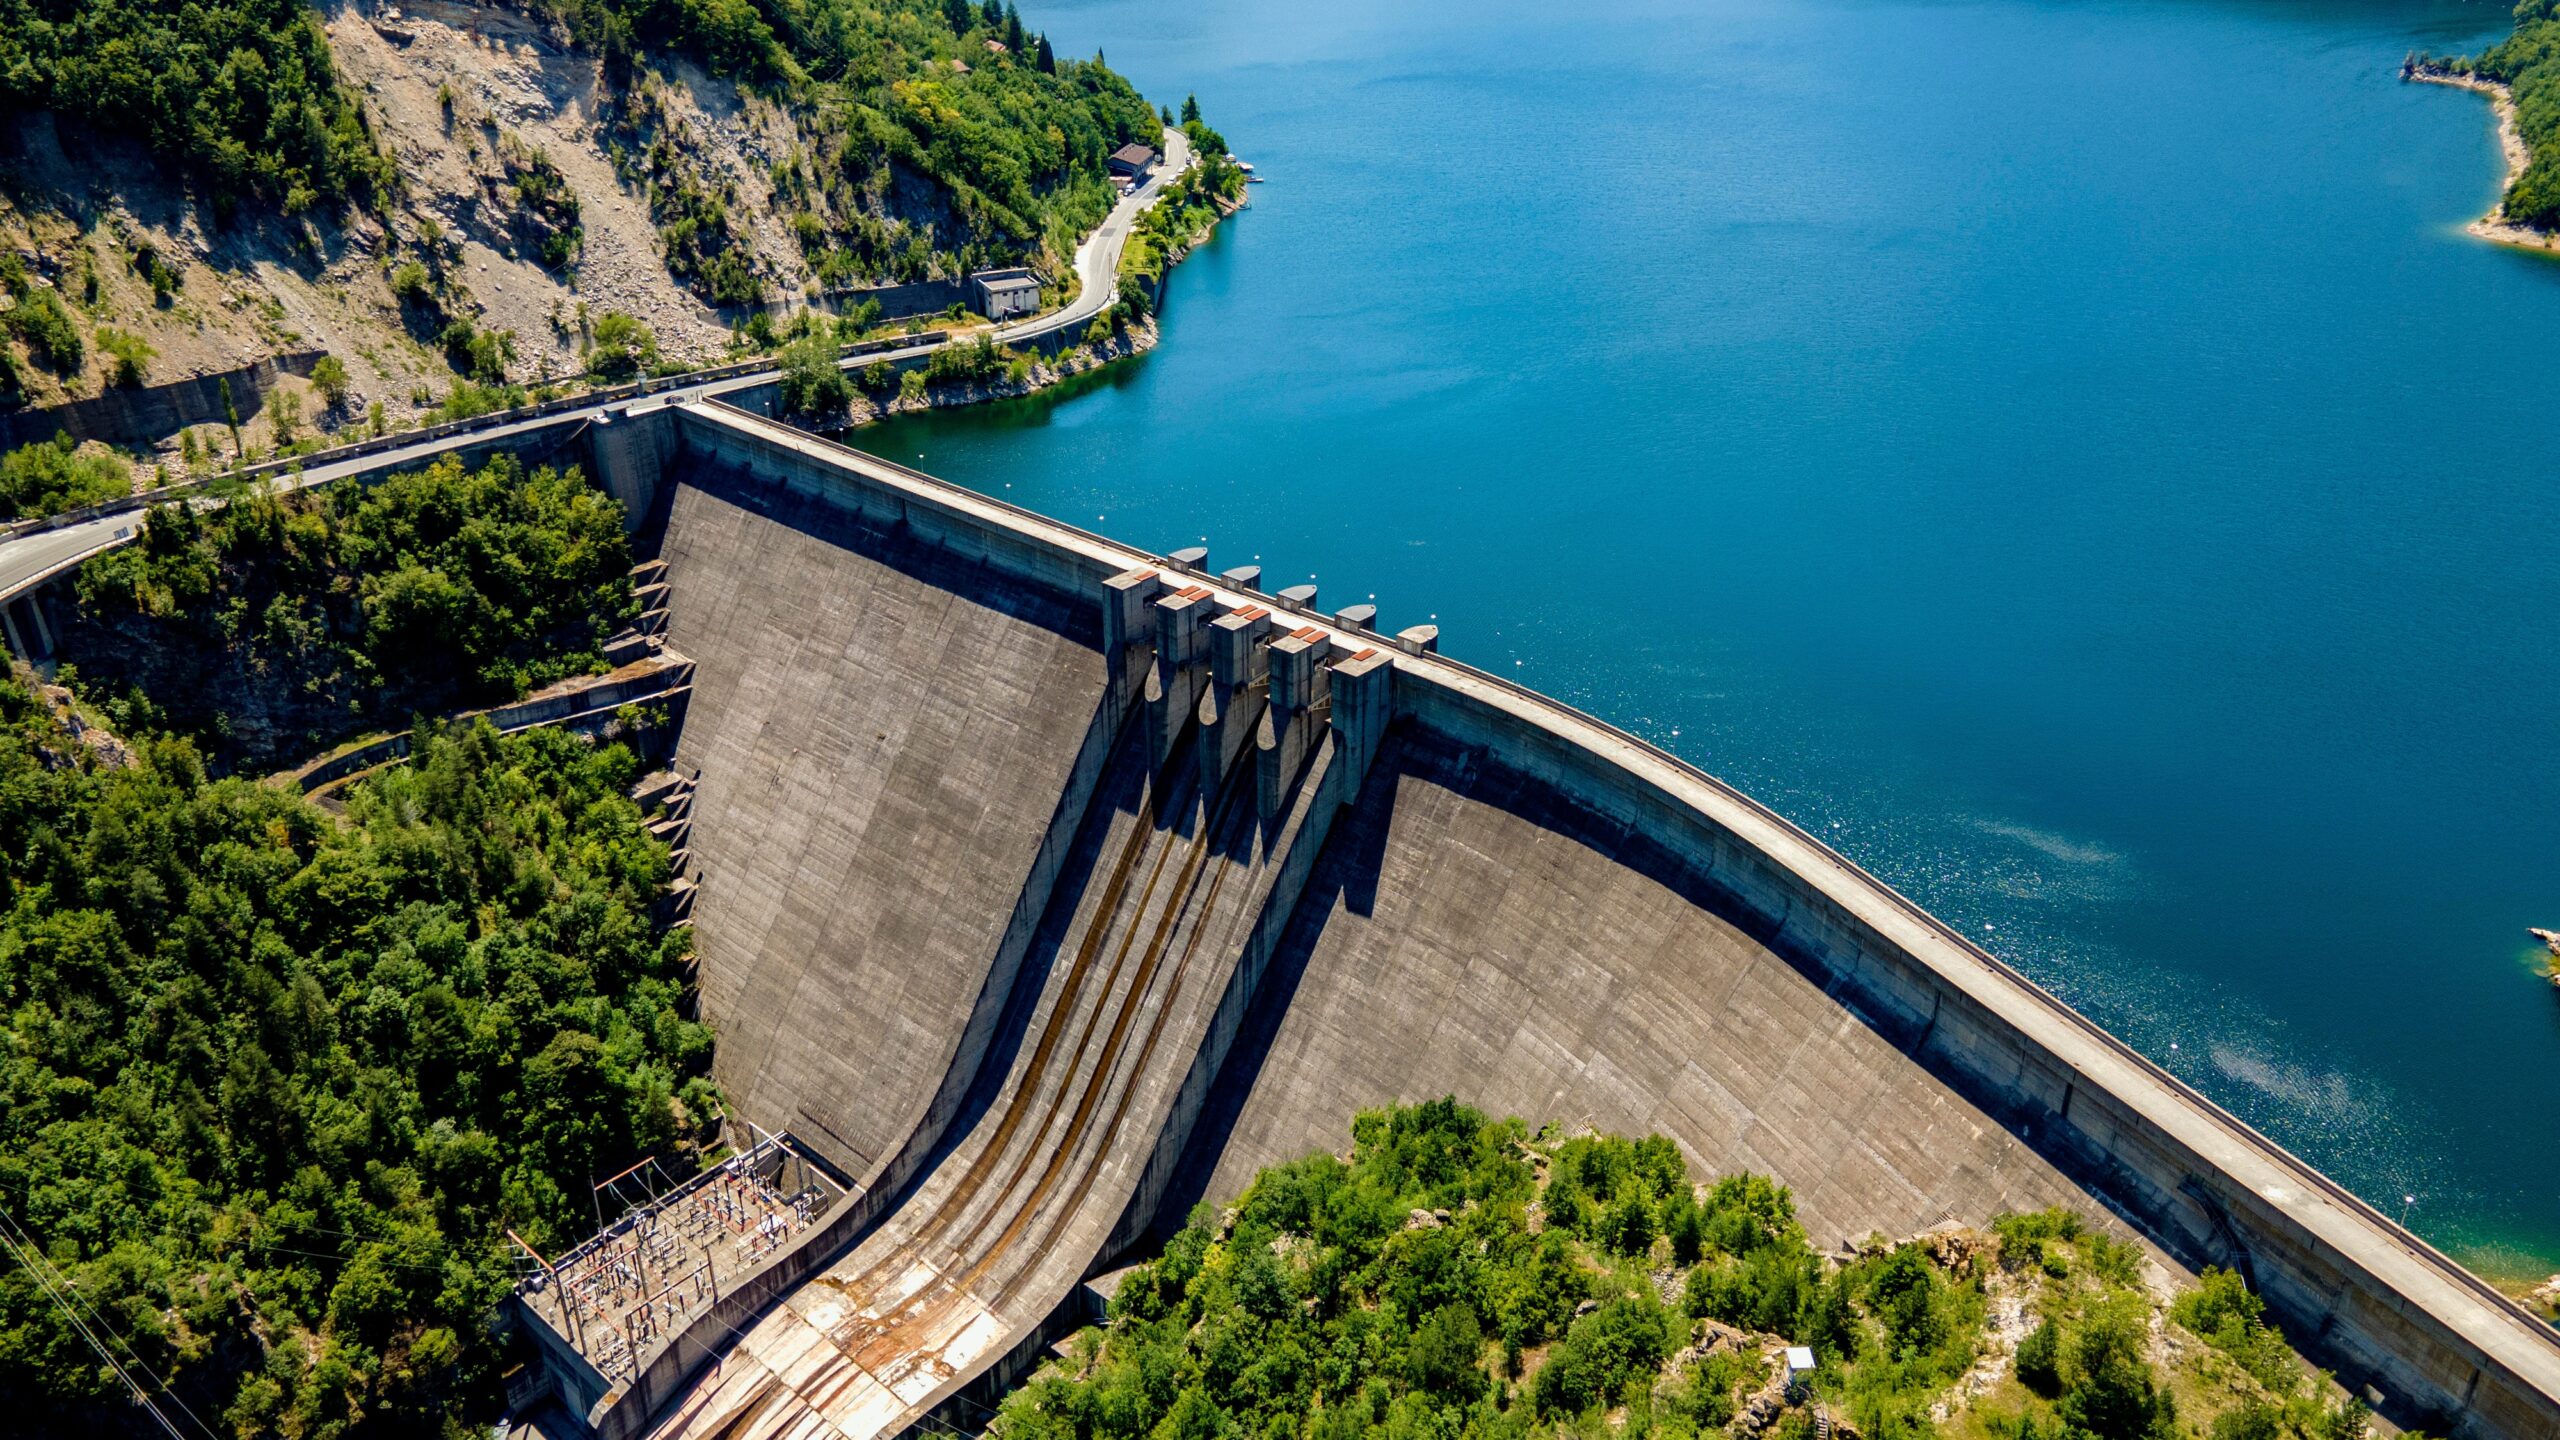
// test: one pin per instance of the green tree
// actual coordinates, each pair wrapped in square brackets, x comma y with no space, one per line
[623,347]
[2112,1394]
[329,377]
[813,384]
[55,475]
[2039,1360]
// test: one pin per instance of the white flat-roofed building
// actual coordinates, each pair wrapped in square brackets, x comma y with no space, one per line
[1004,294]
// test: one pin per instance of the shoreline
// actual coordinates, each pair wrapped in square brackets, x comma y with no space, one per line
[2493,227]
[1135,337]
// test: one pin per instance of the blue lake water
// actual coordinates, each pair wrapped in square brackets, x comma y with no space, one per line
[2065,454]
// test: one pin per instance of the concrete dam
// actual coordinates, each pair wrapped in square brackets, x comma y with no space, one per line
[1044,887]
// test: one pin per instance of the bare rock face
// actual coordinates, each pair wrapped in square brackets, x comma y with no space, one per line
[103,745]
[2550,939]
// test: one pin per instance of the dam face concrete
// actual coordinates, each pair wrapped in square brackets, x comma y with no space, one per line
[886,732]
[1471,931]
[1049,886]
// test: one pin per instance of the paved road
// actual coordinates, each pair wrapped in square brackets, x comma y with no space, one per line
[29,559]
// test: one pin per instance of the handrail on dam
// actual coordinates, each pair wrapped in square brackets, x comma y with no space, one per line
[1119,556]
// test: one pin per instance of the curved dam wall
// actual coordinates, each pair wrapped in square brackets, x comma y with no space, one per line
[884,732]
[1515,903]
[1473,930]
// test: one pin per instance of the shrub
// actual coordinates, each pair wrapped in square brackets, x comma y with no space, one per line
[1623,1340]
[623,347]
[1766,1290]
[469,401]
[131,354]
[2255,1420]
[44,323]
[477,354]
[164,278]
[410,282]
[851,325]
[54,475]
[2223,1313]
[329,377]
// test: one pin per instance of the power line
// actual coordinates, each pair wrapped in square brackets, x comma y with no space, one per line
[44,1279]
[126,1345]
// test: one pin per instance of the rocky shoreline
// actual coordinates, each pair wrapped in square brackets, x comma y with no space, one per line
[2494,226]
[1133,337]
[1137,337]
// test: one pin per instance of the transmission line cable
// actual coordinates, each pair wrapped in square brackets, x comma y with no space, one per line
[28,1238]
[140,1396]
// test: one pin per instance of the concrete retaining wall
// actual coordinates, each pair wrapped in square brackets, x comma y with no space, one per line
[155,412]
[900,302]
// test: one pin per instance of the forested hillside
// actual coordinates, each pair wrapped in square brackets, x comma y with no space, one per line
[238,93]
[268,628]
[272,1084]
[464,193]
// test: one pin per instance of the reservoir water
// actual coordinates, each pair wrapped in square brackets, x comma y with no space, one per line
[2067,455]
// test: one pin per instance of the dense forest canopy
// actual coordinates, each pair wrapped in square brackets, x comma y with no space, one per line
[240,95]
[271,1084]
[285,620]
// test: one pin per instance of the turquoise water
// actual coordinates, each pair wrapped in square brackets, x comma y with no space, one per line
[2066,455]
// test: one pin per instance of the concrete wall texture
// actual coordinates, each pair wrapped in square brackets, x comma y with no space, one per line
[914,719]
[1471,932]
[154,412]
[884,732]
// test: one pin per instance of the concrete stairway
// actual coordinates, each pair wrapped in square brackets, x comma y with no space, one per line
[1180,867]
